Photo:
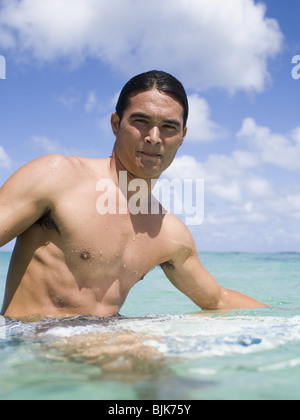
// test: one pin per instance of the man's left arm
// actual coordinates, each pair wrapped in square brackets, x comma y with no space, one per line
[188,275]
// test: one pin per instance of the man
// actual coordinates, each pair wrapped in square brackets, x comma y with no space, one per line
[70,257]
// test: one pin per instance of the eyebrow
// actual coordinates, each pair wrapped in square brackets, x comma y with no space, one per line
[148,117]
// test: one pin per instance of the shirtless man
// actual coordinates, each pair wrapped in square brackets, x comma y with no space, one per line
[70,260]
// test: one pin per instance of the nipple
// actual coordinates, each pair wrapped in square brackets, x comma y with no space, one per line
[85,256]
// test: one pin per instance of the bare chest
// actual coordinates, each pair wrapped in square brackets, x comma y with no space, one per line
[82,262]
[108,246]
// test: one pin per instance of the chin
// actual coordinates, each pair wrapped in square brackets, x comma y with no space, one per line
[147,174]
[147,171]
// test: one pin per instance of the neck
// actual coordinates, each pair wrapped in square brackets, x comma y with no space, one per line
[120,173]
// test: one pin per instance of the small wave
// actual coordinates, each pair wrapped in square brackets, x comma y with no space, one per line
[195,337]
[184,336]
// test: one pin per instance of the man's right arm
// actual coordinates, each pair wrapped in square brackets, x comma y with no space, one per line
[26,196]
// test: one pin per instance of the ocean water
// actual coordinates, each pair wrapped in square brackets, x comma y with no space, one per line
[164,347]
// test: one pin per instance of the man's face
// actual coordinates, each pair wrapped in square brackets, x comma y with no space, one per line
[149,134]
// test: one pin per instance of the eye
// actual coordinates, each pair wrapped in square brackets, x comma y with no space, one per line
[141,121]
[170,127]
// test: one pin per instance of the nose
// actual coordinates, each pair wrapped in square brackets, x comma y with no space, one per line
[153,136]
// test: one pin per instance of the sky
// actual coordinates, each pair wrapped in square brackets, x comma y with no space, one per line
[66,61]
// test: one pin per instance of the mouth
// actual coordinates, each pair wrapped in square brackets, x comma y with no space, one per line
[149,155]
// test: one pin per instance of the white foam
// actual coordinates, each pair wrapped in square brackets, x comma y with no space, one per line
[191,336]
[65,332]
[185,336]
[286,364]
[2,328]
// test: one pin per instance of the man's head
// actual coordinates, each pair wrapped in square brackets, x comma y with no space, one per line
[159,80]
[150,123]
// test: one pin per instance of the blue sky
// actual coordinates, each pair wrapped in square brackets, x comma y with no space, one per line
[67,60]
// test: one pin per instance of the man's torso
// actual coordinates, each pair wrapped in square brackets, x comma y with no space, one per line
[75,261]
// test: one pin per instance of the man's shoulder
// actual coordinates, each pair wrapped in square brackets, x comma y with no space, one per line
[177,233]
[45,173]
[55,166]
[58,162]
[45,163]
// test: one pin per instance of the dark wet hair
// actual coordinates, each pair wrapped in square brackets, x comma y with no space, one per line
[163,82]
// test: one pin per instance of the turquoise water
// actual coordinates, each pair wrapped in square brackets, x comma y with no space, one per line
[253,354]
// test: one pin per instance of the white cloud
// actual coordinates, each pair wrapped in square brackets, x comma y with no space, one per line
[290,205]
[69,98]
[91,102]
[227,191]
[6,165]
[229,185]
[5,160]
[221,174]
[50,146]
[200,127]
[243,208]
[258,187]
[245,159]
[215,43]
[272,148]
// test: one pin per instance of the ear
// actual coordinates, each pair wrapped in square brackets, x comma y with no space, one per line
[184,134]
[115,123]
